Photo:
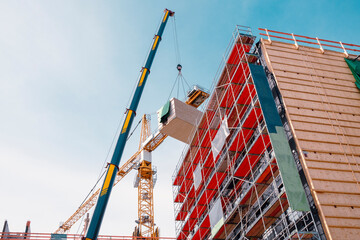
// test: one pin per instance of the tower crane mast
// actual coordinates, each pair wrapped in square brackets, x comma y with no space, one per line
[144,181]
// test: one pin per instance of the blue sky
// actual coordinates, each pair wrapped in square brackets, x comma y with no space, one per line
[67,69]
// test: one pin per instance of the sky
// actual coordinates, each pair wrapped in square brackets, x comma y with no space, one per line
[67,70]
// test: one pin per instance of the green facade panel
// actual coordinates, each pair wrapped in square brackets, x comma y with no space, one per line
[355,69]
[56,236]
[164,112]
[291,179]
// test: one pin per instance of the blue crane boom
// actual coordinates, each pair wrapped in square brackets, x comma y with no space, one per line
[107,186]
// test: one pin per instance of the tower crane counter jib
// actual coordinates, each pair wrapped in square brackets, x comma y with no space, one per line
[112,170]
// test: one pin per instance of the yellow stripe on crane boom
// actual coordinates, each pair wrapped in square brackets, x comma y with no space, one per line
[155,42]
[127,120]
[142,76]
[108,179]
[166,14]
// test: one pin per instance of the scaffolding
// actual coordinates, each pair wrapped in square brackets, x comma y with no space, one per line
[228,184]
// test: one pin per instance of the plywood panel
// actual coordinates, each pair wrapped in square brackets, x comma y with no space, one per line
[317,73]
[327,137]
[335,187]
[346,167]
[316,97]
[280,46]
[345,223]
[318,90]
[346,212]
[320,106]
[323,147]
[278,56]
[326,128]
[313,79]
[335,199]
[338,117]
[333,175]
[325,83]
[333,158]
[314,67]
[298,117]
[344,233]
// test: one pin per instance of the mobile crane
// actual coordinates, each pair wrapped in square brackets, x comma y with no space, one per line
[145,206]
[113,166]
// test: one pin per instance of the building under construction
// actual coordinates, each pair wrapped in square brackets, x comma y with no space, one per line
[276,152]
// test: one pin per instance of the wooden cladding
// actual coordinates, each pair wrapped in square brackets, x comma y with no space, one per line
[323,107]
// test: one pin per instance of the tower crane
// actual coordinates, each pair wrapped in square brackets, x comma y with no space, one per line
[145,182]
[195,99]
[145,172]
[145,175]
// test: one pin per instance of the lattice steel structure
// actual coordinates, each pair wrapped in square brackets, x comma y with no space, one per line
[145,181]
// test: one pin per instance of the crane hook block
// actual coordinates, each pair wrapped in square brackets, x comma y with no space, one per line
[179,67]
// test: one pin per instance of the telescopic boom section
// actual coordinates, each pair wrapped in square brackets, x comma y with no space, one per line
[107,186]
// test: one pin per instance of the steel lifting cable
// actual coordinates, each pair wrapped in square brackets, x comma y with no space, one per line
[134,129]
[117,131]
[180,79]
[179,82]
[143,64]
[177,56]
[82,220]
[101,174]
[103,171]
[92,189]
[176,42]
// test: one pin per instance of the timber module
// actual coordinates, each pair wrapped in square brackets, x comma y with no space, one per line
[276,152]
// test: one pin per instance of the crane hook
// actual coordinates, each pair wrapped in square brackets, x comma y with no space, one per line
[179,67]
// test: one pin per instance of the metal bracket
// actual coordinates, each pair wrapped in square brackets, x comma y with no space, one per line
[345,52]
[295,42]
[321,48]
[267,33]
